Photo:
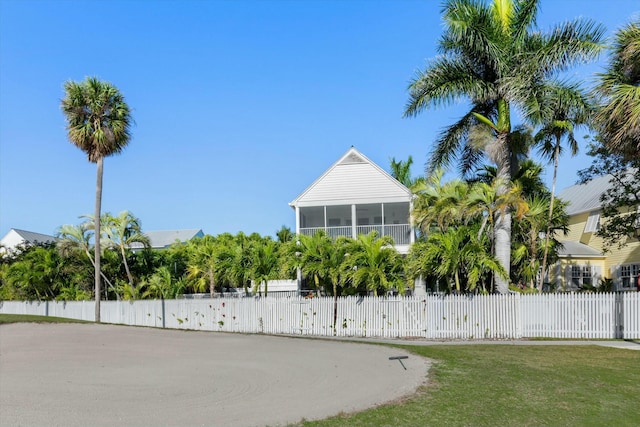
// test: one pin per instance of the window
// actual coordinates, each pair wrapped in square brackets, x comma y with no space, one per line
[629,275]
[581,275]
[593,223]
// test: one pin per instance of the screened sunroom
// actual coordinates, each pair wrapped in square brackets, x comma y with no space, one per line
[355,196]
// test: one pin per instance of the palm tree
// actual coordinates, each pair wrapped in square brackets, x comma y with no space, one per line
[314,255]
[202,267]
[322,259]
[374,263]
[161,285]
[78,238]
[439,205]
[98,122]
[401,170]
[122,231]
[618,119]
[488,201]
[234,262]
[455,256]
[493,56]
[565,108]
[285,234]
[265,263]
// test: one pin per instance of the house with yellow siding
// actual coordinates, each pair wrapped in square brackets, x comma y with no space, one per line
[583,259]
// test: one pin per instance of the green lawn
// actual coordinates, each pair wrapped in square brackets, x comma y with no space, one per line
[15,318]
[499,385]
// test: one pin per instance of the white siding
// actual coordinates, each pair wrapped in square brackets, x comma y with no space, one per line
[353,179]
[356,183]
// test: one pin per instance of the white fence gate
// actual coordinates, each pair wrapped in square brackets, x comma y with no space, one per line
[612,315]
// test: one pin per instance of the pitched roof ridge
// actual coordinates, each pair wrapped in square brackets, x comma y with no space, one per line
[351,151]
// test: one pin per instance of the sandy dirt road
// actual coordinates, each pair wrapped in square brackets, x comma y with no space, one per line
[106,375]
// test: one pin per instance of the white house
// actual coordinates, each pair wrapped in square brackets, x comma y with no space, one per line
[16,237]
[356,196]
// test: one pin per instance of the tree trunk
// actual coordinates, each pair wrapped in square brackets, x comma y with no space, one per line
[103,276]
[126,265]
[212,284]
[96,246]
[502,227]
[556,154]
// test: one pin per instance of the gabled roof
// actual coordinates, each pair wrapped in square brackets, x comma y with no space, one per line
[353,179]
[165,238]
[33,237]
[571,249]
[586,197]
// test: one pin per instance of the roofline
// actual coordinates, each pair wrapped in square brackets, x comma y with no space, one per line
[337,162]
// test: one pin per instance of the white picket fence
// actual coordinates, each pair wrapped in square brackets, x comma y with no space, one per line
[613,315]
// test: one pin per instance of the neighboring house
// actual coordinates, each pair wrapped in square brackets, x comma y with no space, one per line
[582,260]
[165,238]
[15,238]
[356,196]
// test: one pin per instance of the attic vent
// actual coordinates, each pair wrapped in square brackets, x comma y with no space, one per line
[352,158]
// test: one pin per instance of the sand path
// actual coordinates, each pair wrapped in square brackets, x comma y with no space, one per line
[106,375]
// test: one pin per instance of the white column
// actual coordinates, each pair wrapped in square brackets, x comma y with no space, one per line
[324,208]
[297,220]
[354,222]
[412,232]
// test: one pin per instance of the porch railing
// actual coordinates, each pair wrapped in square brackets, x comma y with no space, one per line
[400,233]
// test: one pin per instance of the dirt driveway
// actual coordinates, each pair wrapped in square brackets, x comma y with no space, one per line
[106,375]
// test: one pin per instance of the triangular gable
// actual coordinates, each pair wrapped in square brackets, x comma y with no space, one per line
[353,179]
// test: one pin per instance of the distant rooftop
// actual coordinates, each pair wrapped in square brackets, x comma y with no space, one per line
[33,237]
[165,238]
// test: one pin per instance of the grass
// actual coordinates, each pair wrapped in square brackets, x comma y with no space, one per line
[19,318]
[498,385]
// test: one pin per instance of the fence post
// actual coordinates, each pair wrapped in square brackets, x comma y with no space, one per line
[518,315]
[164,324]
[619,314]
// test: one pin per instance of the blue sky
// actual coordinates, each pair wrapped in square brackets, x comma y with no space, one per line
[239,105]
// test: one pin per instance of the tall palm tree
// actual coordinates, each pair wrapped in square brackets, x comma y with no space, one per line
[122,231]
[618,119]
[565,108]
[493,55]
[98,122]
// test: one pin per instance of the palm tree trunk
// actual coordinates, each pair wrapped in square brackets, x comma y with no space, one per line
[212,284]
[96,246]
[502,228]
[556,154]
[104,277]
[126,265]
